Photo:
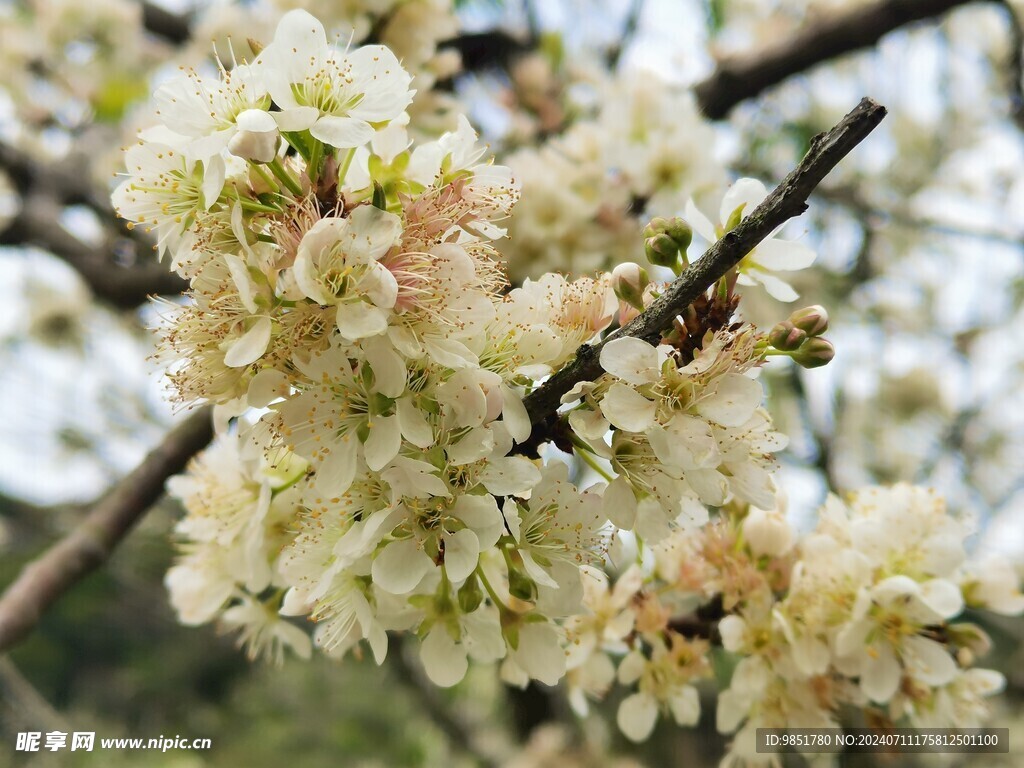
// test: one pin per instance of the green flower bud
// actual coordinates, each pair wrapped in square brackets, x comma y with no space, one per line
[815,353]
[521,586]
[629,281]
[470,595]
[786,336]
[676,228]
[662,251]
[811,320]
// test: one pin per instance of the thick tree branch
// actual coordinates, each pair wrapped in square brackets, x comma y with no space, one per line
[744,76]
[787,200]
[45,189]
[44,580]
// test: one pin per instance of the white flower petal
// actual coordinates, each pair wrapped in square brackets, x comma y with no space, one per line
[880,673]
[632,360]
[733,401]
[357,320]
[383,442]
[637,716]
[415,427]
[461,552]
[296,118]
[250,346]
[685,706]
[388,368]
[444,660]
[620,504]
[341,132]
[400,566]
[510,476]
[928,661]
[627,409]
[783,255]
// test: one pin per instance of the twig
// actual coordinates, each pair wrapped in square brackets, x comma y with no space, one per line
[629,30]
[738,78]
[787,200]
[85,548]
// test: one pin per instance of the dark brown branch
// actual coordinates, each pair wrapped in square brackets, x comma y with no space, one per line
[45,189]
[43,581]
[787,200]
[166,24]
[743,76]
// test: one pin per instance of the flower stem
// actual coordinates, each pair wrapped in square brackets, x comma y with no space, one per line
[313,169]
[345,164]
[286,178]
[267,178]
[490,590]
[589,461]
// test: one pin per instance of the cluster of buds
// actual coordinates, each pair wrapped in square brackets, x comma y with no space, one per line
[666,241]
[800,337]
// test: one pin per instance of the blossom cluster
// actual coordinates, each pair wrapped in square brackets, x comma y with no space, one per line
[376,468]
[864,613]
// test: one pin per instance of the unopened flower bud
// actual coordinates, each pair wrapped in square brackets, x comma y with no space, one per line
[811,320]
[629,281]
[257,137]
[815,353]
[470,595]
[786,336]
[521,586]
[676,228]
[662,251]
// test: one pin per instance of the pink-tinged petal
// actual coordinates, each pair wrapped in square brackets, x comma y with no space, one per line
[342,132]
